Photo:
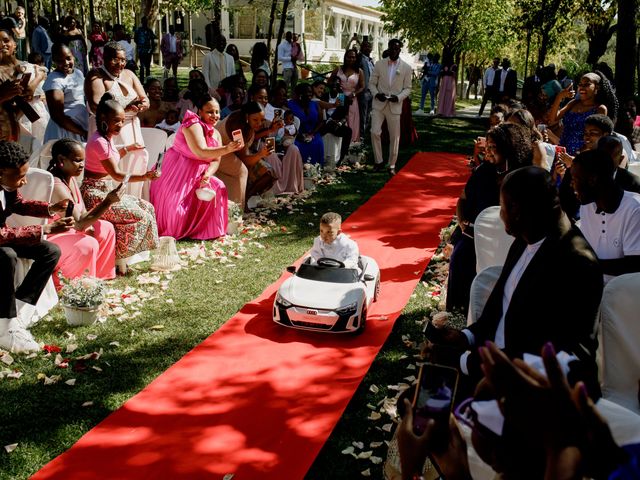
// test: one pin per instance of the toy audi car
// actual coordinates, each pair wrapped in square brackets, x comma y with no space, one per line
[326,296]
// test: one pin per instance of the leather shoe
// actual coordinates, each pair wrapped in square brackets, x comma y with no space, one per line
[378,167]
[392,171]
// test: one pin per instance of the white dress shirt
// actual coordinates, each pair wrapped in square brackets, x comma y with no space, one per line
[342,248]
[393,68]
[503,77]
[284,54]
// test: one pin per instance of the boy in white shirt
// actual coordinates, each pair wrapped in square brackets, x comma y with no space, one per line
[332,243]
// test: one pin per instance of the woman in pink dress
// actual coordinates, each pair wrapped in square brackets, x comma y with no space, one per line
[447,95]
[351,80]
[189,165]
[90,247]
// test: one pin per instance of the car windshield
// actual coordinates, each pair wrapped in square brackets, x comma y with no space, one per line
[324,274]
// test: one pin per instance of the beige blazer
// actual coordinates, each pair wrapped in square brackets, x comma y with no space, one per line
[400,85]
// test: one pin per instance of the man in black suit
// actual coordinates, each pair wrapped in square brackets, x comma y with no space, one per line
[506,82]
[549,289]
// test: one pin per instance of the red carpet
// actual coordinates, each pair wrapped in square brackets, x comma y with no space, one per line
[259,400]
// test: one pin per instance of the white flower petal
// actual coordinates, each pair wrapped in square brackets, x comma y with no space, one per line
[11,447]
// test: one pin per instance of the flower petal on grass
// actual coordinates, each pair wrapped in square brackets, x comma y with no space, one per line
[87,404]
[375,460]
[91,336]
[348,451]
[71,382]
[228,476]
[387,427]
[6,359]
[11,447]
[374,416]
[376,444]
[157,327]
[374,388]
[358,445]
[366,473]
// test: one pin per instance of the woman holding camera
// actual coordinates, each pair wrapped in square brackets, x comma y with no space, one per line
[126,89]
[351,80]
[189,201]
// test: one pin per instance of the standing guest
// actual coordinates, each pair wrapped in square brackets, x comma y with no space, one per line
[596,96]
[447,92]
[260,58]
[98,38]
[124,40]
[364,102]
[508,82]
[217,64]
[309,140]
[261,79]
[233,51]
[289,70]
[390,84]
[473,75]
[133,218]
[424,83]
[126,89]
[41,42]
[72,37]
[609,216]
[145,44]
[20,33]
[17,304]
[157,108]
[188,165]
[171,49]
[351,80]
[89,247]
[488,80]
[531,86]
[64,89]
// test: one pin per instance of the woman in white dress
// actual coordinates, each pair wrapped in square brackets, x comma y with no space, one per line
[127,90]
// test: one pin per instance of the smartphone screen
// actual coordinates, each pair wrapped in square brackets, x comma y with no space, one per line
[25,79]
[69,211]
[277,114]
[237,136]
[434,395]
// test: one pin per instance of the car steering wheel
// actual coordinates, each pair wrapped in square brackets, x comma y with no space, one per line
[330,263]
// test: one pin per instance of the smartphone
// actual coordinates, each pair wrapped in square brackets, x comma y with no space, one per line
[434,396]
[270,142]
[277,114]
[237,136]
[25,79]
[158,167]
[341,98]
[69,211]
[542,128]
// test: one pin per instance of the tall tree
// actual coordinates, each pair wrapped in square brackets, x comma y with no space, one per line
[626,56]
[283,21]
[599,17]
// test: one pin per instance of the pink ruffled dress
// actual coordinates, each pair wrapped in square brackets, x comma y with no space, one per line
[179,212]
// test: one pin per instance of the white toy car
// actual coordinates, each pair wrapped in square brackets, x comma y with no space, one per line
[328,297]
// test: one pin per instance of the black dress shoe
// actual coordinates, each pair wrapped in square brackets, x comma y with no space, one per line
[378,167]
[392,171]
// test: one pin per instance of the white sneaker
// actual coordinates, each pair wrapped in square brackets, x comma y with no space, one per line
[419,112]
[18,340]
[27,314]
[432,112]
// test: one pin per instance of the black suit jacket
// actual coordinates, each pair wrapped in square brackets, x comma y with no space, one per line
[556,300]
[511,84]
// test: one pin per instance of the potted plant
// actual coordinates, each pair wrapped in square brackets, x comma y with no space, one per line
[312,172]
[235,218]
[357,153]
[81,299]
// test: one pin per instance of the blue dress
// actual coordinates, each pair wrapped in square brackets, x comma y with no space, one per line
[72,86]
[312,151]
[573,132]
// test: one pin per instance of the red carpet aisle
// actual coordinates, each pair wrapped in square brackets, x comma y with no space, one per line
[258,400]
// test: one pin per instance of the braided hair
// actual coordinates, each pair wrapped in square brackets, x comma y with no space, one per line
[12,155]
[605,95]
[107,106]
[63,147]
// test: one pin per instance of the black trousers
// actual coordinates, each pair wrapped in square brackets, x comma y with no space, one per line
[145,64]
[489,94]
[45,256]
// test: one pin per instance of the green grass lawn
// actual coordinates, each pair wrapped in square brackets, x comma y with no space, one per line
[45,420]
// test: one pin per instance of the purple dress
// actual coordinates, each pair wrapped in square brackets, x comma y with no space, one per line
[179,212]
[573,132]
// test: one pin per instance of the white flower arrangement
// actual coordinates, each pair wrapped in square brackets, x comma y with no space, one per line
[83,292]
[312,170]
[234,211]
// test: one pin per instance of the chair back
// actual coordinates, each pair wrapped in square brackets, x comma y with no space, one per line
[492,243]
[621,340]
[481,288]
[635,168]
[39,187]
[170,139]
[155,141]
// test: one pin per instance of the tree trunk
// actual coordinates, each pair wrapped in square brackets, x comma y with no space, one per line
[283,19]
[544,46]
[626,47]
[272,20]
[598,36]
[149,9]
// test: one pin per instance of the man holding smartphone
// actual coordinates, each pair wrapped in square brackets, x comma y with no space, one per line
[390,84]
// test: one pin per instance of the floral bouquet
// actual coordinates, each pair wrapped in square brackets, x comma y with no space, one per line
[234,211]
[83,292]
[312,170]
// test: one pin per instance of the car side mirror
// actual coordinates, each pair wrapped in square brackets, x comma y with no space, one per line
[291,269]
[369,278]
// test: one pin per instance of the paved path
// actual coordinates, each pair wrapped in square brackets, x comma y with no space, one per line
[468,112]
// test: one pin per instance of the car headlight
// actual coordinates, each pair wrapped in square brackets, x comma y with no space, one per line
[282,302]
[348,310]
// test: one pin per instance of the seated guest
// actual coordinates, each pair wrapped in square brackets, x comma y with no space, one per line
[17,305]
[234,167]
[170,91]
[548,251]
[625,179]
[543,152]
[188,165]
[89,247]
[157,107]
[309,140]
[64,89]
[289,130]
[170,123]
[133,218]
[609,216]
[196,88]
[260,78]
[508,147]
[238,97]
[333,243]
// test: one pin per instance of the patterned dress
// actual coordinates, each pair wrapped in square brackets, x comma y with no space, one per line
[133,218]
[573,131]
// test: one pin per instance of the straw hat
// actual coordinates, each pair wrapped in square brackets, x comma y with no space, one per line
[165,257]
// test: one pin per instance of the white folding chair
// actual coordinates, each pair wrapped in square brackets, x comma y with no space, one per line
[621,341]
[155,141]
[491,241]
[170,139]
[635,168]
[39,187]
[481,288]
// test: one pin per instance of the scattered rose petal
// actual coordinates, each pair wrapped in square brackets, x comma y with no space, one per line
[115,344]
[72,347]
[51,348]
[31,355]
[71,382]
[359,445]
[365,455]
[375,460]
[87,404]
[347,451]
[6,358]
[97,369]
[376,444]
[169,300]
[374,389]
[156,327]
[11,447]
[228,476]
[15,374]
[411,366]
[91,336]
[387,427]
[374,416]
[366,473]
